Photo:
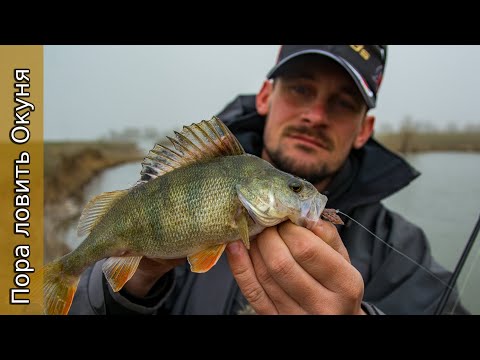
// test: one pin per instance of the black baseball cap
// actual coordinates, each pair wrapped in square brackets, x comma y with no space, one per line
[364,63]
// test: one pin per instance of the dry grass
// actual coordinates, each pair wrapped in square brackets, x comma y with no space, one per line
[69,166]
[430,141]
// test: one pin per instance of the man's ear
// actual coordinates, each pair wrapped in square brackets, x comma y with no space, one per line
[263,97]
[365,131]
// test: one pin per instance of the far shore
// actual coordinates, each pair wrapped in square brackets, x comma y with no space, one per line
[408,141]
[68,168]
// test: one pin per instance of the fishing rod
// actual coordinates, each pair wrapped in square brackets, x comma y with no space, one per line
[458,269]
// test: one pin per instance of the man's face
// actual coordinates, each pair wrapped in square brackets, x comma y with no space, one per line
[315,116]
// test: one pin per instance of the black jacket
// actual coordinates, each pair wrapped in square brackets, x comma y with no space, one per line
[393,284]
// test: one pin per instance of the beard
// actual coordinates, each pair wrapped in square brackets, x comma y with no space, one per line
[313,173]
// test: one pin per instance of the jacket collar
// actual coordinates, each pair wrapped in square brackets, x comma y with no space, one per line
[370,174]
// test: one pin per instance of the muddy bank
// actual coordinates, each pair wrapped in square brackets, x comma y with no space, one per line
[69,167]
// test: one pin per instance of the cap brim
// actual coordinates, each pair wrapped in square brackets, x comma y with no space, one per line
[362,86]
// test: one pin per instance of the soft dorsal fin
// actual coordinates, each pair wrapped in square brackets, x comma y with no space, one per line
[197,142]
[95,209]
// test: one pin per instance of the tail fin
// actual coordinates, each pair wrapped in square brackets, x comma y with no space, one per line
[58,288]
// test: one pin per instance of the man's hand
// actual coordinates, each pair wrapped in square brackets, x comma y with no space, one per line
[293,270]
[149,271]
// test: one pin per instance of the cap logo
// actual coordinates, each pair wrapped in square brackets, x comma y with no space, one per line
[360,49]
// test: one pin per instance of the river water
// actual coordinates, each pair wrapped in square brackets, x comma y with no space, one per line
[444,201]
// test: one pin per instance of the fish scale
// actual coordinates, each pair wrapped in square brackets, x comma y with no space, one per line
[201,203]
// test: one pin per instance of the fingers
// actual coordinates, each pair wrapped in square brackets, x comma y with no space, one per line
[320,259]
[258,286]
[297,283]
[292,270]
[244,273]
[283,302]
[328,233]
[323,255]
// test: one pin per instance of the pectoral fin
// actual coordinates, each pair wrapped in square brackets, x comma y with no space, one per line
[204,260]
[118,270]
[242,226]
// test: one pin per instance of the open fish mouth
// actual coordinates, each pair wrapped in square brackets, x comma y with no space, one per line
[311,211]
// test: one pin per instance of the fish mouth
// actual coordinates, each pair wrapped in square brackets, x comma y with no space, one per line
[311,211]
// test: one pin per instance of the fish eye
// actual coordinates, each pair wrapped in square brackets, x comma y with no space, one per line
[296,186]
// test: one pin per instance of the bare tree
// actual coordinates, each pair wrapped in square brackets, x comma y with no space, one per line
[385,128]
[407,131]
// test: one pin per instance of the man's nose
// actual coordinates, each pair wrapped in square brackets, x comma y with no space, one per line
[316,112]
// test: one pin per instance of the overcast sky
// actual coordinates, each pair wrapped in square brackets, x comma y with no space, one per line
[90,90]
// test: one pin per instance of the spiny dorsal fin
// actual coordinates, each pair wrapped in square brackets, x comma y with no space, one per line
[95,209]
[197,142]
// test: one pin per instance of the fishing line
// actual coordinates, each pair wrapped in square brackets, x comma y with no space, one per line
[467,277]
[459,267]
[397,251]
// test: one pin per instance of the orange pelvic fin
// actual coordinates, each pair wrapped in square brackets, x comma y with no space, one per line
[204,260]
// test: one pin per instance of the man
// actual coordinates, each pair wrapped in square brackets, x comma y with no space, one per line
[311,119]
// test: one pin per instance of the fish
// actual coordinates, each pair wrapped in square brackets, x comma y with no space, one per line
[191,200]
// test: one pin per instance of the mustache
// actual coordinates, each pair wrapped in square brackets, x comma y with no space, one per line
[315,133]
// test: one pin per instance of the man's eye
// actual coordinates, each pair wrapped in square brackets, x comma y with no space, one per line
[300,90]
[345,104]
